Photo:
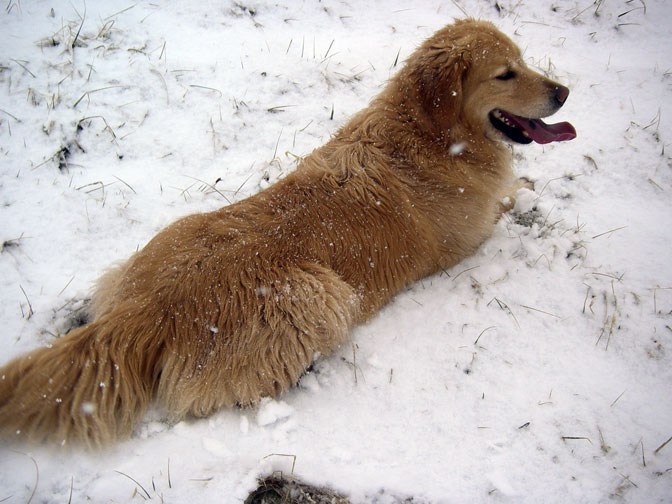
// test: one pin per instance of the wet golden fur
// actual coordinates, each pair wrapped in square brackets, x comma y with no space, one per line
[225,308]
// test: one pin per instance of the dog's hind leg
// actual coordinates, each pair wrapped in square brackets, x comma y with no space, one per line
[264,341]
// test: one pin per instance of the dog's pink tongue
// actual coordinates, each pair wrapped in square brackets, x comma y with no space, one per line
[541,132]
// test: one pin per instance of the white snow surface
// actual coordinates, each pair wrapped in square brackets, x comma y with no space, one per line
[538,370]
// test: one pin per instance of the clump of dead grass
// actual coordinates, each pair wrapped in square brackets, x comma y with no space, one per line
[277,489]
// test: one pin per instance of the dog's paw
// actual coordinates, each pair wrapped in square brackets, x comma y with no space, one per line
[509,199]
[523,183]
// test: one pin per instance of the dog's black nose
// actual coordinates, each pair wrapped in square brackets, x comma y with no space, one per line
[561,94]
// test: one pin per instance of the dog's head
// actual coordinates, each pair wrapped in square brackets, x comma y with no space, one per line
[471,73]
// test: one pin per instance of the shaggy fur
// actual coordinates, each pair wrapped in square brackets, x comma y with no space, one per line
[225,308]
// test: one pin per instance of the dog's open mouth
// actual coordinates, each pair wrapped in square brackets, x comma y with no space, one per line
[525,130]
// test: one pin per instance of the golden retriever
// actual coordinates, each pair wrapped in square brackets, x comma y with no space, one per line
[231,306]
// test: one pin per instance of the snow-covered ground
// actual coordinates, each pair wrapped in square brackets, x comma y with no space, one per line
[538,370]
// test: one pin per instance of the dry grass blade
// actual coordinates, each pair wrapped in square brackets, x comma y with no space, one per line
[119,12]
[30,307]
[576,438]
[210,186]
[74,41]
[328,49]
[461,272]
[278,108]
[10,115]
[616,400]
[479,336]
[655,184]
[37,476]
[657,450]
[235,193]
[643,4]
[608,328]
[135,481]
[590,160]
[66,285]
[22,65]
[125,183]
[541,311]
[610,231]
[277,143]
[585,301]
[207,88]
[105,29]
[88,93]
[570,176]
[72,480]
[396,59]
[88,118]
[603,445]
[503,306]
[618,278]
[461,8]
[293,457]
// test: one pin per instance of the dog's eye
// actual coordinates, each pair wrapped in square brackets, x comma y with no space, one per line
[506,76]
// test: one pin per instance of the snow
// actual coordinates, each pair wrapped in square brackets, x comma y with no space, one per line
[537,370]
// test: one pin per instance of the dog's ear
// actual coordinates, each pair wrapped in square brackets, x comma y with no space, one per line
[440,86]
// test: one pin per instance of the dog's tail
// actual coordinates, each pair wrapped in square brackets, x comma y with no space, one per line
[89,387]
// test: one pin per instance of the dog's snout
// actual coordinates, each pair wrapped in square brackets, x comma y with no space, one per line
[560,94]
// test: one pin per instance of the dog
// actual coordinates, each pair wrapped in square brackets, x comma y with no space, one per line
[225,308]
